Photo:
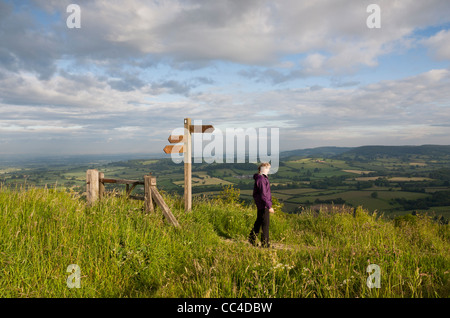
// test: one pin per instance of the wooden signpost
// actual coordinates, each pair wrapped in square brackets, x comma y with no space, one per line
[174,139]
[186,148]
[174,149]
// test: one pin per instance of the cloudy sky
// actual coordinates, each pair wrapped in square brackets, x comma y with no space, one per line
[314,69]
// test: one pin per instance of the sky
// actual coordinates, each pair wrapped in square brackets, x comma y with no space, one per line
[128,76]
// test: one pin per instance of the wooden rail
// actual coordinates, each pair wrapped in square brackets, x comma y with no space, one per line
[95,190]
[120,181]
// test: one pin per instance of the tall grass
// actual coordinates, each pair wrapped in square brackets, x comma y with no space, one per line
[124,252]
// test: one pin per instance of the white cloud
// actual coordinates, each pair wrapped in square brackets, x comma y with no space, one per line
[138,62]
[439,45]
[387,109]
[249,32]
[374,109]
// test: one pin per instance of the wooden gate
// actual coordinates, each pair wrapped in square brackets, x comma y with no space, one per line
[95,190]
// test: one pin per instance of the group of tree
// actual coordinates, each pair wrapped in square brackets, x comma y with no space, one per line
[438,198]
[328,182]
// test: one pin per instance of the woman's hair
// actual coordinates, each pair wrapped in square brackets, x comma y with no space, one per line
[264,164]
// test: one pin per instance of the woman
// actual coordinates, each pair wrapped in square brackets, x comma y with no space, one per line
[263,201]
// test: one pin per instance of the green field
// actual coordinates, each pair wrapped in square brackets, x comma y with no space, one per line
[361,198]
[204,180]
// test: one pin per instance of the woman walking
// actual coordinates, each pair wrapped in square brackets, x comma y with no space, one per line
[263,201]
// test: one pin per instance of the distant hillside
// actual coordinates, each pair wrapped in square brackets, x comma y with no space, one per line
[398,151]
[368,151]
[319,151]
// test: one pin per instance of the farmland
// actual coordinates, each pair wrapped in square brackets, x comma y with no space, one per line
[391,181]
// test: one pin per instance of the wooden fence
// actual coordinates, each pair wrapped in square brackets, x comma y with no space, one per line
[95,190]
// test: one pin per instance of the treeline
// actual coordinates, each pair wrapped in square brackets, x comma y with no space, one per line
[250,167]
[442,174]
[438,198]
[327,182]
[374,152]
[327,201]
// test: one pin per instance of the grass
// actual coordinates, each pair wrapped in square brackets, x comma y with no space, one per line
[123,252]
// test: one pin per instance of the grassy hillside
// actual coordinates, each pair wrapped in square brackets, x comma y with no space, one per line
[123,252]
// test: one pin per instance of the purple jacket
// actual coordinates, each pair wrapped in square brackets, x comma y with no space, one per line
[261,191]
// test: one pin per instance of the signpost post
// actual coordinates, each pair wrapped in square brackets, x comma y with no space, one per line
[186,148]
[187,166]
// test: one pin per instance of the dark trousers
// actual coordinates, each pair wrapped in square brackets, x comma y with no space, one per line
[262,221]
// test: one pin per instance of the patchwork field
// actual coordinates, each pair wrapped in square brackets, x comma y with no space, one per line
[393,184]
[206,180]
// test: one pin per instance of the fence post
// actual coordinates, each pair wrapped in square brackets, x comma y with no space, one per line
[92,186]
[163,206]
[148,193]
[101,186]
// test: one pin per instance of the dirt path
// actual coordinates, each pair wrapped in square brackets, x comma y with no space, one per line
[273,245]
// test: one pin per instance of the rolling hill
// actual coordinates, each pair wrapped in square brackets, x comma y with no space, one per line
[369,151]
